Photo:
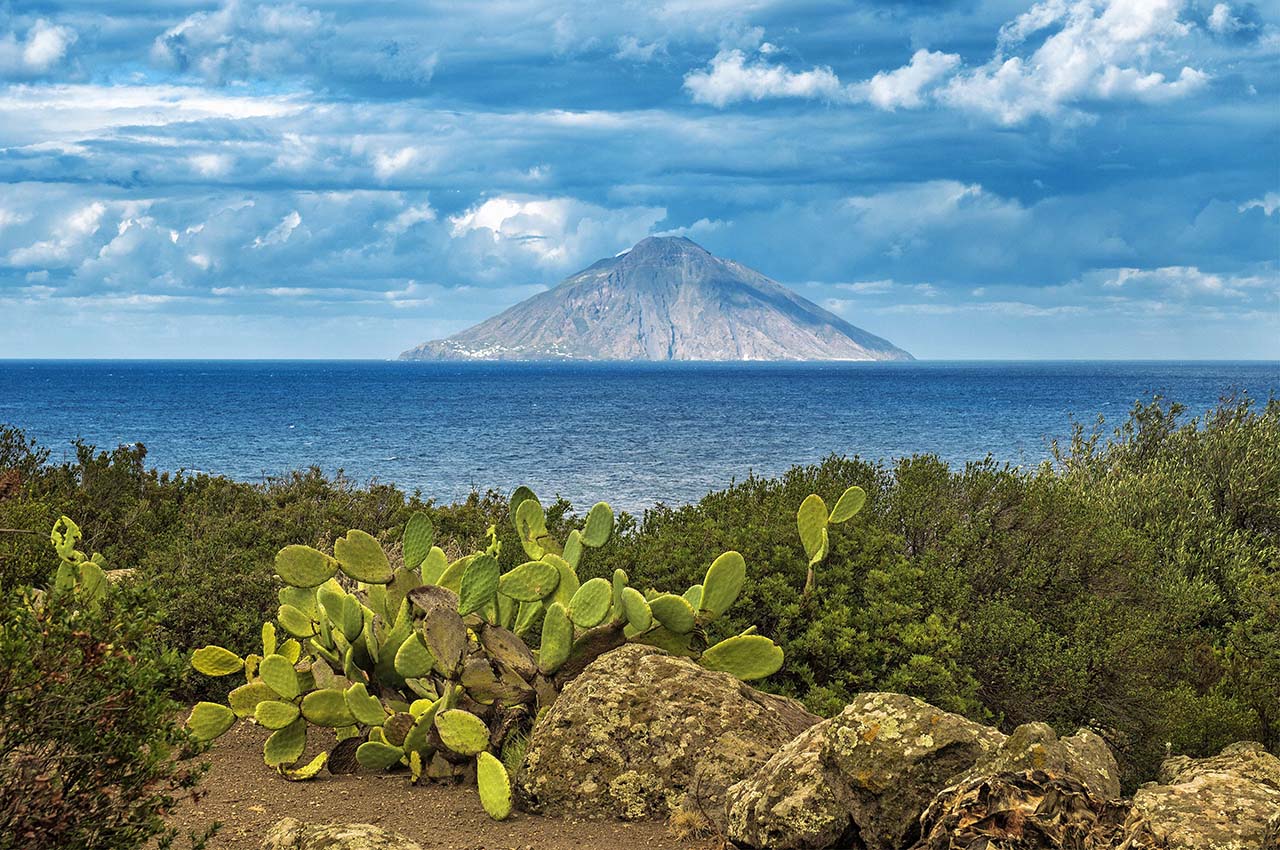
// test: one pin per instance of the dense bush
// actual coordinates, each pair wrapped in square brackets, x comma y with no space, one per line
[1131,584]
[89,738]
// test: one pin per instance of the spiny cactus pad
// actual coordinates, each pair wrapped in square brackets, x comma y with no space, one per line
[745,656]
[307,771]
[811,520]
[462,732]
[366,709]
[302,566]
[530,582]
[376,755]
[849,503]
[216,661]
[723,583]
[419,534]
[673,612]
[479,584]
[362,558]
[494,785]
[557,638]
[590,605]
[599,525]
[636,607]
[285,745]
[208,720]
[277,671]
[273,714]
[327,707]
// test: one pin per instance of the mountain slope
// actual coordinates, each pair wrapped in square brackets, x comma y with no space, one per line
[665,299]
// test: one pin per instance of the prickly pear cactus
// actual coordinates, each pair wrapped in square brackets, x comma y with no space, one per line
[425,665]
[814,522]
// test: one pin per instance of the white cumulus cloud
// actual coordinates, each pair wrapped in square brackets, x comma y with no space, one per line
[732,77]
[42,49]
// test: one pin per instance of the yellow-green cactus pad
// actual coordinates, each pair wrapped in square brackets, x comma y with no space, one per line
[273,714]
[462,732]
[723,583]
[362,558]
[849,503]
[277,671]
[327,707]
[302,566]
[531,581]
[494,785]
[285,745]
[216,661]
[208,720]
[745,656]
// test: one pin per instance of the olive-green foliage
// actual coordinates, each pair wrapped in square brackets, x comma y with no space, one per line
[432,674]
[90,752]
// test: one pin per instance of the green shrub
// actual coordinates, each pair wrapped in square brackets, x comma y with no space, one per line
[89,740]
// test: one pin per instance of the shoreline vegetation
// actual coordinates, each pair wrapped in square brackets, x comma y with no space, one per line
[1130,586]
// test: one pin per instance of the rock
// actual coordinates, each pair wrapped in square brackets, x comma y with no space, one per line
[863,776]
[1227,802]
[1024,810]
[641,734]
[292,834]
[1083,757]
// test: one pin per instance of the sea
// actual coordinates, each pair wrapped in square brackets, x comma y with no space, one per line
[629,433]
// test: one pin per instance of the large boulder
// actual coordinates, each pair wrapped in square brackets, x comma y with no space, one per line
[861,778]
[292,834]
[640,734]
[1227,802]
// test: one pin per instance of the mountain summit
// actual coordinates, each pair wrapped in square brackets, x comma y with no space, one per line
[665,299]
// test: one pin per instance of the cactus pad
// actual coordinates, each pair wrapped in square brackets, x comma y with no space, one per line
[557,639]
[208,720]
[599,525]
[376,755]
[413,660]
[434,565]
[307,771]
[722,584]
[295,622]
[590,605]
[216,661]
[494,785]
[479,584]
[366,709]
[849,503]
[277,671]
[362,558]
[273,714]
[244,699]
[673,612]
[302,566]
[462,732]
[285,745]
[531,525]
[532,581]
[745,656]
[811,520]
[419,534]
[573,548]
[327,707]
[636,607]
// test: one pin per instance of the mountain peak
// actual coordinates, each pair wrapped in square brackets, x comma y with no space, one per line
[667,298]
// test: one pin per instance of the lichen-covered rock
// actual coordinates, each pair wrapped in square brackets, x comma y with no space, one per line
[864,776]
[292,834]
[1083,757]
[1024,810]
[640,734]
[1227,802]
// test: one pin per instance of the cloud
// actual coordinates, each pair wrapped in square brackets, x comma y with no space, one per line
[633,49]
[1100,51]
[1095,51]
[41,50]
[731,77]
[1185,282]
[281,232]
[905,86]
[1268,203]
[562,233]
[240,39]
[69,234]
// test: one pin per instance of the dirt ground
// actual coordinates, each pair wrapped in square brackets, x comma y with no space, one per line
[248,797]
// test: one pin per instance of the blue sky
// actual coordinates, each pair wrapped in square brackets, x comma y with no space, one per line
[341,179]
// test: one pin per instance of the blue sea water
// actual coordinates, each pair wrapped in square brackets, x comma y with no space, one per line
[634,434]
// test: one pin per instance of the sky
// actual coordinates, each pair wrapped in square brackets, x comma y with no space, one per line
[967,178]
